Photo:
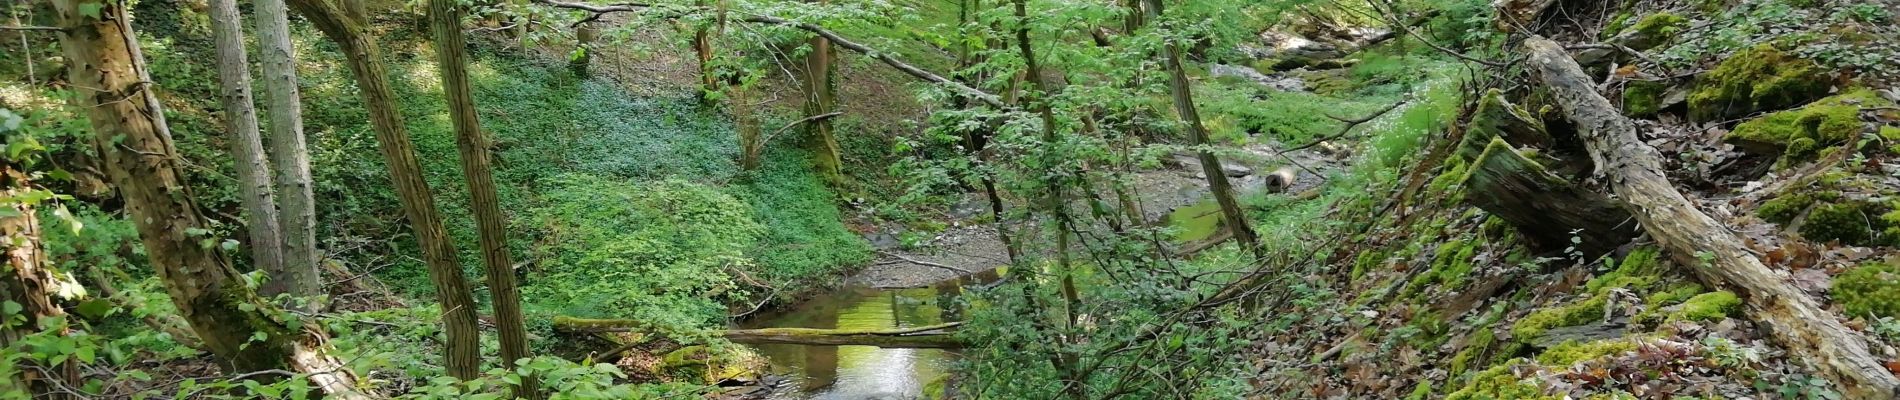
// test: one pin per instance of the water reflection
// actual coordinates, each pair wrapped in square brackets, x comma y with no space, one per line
[860,372]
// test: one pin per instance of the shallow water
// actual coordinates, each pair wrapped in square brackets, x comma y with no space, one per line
[860,372]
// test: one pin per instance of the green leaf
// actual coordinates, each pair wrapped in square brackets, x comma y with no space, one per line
[93,10]
[95,308]
[10,308]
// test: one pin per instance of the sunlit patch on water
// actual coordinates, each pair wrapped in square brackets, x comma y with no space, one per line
[859,372]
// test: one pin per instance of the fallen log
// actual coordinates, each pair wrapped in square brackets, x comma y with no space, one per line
[1710,250]
[921,337]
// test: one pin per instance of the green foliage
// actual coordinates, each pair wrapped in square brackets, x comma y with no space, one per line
[1784,208]
[804,237]
[1847,222]
[1661,25]
[1756,79]
[1871,290]
[659,252]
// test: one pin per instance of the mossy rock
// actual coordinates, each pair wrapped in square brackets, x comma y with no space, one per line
[1846,222]
[1871,290]
[1641,269]
[1652,30]
[1798,133]
[1711,306]
[1643,99]
[1760,78]
[1783,209]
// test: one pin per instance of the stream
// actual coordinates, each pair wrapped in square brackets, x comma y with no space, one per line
[862,372]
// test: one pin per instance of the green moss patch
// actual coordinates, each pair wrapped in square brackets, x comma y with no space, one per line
[1499,383]
[1643,99]
[1572,352]
[1711,306]
[1871,290]
[1756,79]
[1799,133]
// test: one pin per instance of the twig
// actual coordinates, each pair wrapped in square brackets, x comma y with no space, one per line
[31,28]
[813,118]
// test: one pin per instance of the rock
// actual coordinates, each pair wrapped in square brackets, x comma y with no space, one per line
[1280,82]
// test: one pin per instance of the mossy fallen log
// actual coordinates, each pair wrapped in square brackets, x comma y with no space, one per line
[1546,208]
[1715,254]
[922,337]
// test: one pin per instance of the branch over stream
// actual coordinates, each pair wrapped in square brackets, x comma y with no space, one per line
[921,337]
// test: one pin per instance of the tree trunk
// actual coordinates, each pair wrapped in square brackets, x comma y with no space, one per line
[702,47]
[445,18]
[27,283]
[584,35]
[1710,250]
[247,149]
[140,158]
[1197,135]
[289,157]
[819,100]
[462,350]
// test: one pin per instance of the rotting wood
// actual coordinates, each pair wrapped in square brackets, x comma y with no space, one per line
[1710,250]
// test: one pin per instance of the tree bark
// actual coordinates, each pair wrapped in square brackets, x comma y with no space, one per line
[104,65]
[26,282]
[1710,250]
[289,156]
[445,18]
[462,349]
[247,149]
[1197,135]
[702,47]
[820,100]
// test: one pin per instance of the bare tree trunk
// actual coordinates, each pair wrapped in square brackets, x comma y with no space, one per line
[289,157]
[1707,248]
[140,157]
[702,47]
[247,149]
[819,100]
[1197,135]
[26,282]
[445,17]
[462,349]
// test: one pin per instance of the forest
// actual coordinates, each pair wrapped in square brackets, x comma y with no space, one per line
[950,199]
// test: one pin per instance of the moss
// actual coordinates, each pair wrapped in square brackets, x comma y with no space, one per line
[1756,79]
[1661,24]
[1534,325]
[1711,306]
[1451,265]
[709,365]
[1499,383]
[1617,23]
[1480,341]
[1639,268]
[1798,133]
[1422,391]
[1846,222]
[1367,262]
[1571,352]
[1890,135]
[1325,81]
[1783,209]
[1871,290]
[1643,99]
[1653,305]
